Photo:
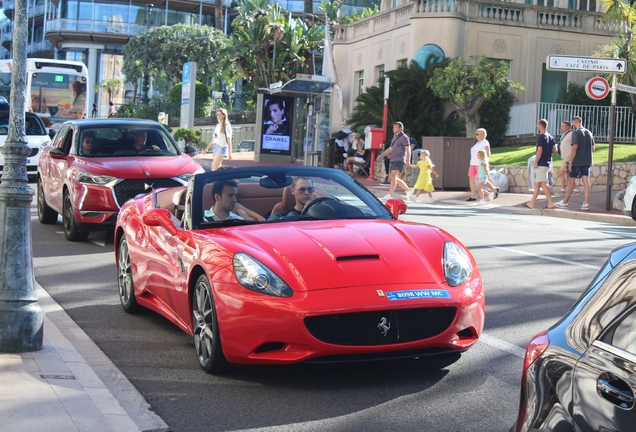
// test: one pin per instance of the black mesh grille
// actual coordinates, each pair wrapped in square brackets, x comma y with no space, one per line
[130,188]
[367,328]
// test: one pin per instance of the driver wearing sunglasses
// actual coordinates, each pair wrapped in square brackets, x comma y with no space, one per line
[303,190]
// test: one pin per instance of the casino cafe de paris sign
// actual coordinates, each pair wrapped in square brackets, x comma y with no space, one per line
[586,64]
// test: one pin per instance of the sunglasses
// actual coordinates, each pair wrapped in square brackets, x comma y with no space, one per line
[87,141]
[306,190]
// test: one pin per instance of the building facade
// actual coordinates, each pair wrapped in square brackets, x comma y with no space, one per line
[522,35]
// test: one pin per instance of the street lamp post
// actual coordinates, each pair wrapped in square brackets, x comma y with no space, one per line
[146,80]
[21,318]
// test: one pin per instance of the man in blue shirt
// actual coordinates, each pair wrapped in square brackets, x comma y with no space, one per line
[400,153]
[543,164]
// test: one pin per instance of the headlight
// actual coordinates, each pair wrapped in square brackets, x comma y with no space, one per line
[86,177]
[254,276]
[457,266]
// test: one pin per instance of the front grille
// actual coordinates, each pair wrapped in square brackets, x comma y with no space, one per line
[130,188]
[367,328]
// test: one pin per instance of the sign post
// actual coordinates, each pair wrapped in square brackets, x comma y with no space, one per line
[188,92]
[599,65]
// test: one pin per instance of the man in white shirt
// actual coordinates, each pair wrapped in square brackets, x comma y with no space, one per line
[225,193]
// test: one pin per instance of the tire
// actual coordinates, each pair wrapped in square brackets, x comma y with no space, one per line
[46,214]
[125,279]
[634,209]
[207,341]
[71,230]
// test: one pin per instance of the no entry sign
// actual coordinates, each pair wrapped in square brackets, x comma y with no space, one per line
[597,88]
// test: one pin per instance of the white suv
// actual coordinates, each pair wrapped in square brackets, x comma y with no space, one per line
[37,139]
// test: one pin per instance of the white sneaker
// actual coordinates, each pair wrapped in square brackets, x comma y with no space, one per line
[585,207]
[431,201]
[561,204]
[491,196]
[562,190]
[481,202]
[387,196]
[576,191]
[413,198]
[409,193]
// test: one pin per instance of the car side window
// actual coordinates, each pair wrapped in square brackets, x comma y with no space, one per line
[60,137]
[624,335]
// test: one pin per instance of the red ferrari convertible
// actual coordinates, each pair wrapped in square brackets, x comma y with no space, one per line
[276,265]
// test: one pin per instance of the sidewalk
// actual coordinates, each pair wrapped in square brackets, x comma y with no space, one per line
[70,385]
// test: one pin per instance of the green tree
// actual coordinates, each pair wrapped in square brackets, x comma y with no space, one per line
[112,86]
[270,45]
[189,136]
[410,101]
[164,50]
[468,84]
[495,114]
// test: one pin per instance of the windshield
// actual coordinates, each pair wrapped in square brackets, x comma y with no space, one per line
[100,142]
[279,194]
[33,126]
[57,96]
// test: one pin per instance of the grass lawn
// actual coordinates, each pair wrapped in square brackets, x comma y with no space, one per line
[518,156]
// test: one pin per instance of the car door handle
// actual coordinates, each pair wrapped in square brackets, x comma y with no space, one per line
[625,398]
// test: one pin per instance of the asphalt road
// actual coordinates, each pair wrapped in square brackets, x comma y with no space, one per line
[534,268]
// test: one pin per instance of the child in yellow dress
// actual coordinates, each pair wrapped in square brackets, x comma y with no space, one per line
[424,180]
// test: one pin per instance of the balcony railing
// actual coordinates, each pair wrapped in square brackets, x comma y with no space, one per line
[37,47]
[91,26]
[523,120]
[487,12]
[37,10]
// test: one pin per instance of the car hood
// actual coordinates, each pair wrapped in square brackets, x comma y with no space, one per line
[335,254]
[140,167]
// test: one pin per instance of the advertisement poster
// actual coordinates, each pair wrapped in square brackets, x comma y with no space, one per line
[277,127]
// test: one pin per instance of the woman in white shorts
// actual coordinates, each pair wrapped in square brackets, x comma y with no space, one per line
[222,139]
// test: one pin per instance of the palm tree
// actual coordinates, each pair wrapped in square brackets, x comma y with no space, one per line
[218,14]
[112,86]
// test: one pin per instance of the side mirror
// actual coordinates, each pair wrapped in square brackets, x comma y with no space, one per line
[52,133]
[190,150]
[396,206]
[57,153]
[159,217]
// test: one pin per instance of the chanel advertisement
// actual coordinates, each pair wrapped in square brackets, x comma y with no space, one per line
[277,117]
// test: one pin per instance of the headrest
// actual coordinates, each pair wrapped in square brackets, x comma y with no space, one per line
[207,199]
[289,200]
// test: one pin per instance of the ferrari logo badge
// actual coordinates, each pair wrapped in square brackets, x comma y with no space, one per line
[380,293]
[384,326]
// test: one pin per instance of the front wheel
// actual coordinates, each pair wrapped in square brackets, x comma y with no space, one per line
[46,214]
[71,230]
[207,341]
[125,279]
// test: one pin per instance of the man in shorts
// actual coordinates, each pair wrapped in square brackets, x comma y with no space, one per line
[400,152]
[581,160]
[543,164]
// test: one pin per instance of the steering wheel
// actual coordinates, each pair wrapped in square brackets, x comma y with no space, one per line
[313,202]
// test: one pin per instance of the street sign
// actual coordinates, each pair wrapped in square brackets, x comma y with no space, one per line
[597,88]
[626,88]
[586,64]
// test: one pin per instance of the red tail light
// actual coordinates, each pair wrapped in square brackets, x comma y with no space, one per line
[535,348]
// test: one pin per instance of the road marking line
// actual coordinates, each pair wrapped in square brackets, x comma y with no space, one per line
[502,345]
[549,258]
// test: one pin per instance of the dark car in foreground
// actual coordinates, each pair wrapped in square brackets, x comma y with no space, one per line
[580,375]
[89,184]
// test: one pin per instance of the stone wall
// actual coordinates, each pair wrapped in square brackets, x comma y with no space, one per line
[518,176]
[623,171]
